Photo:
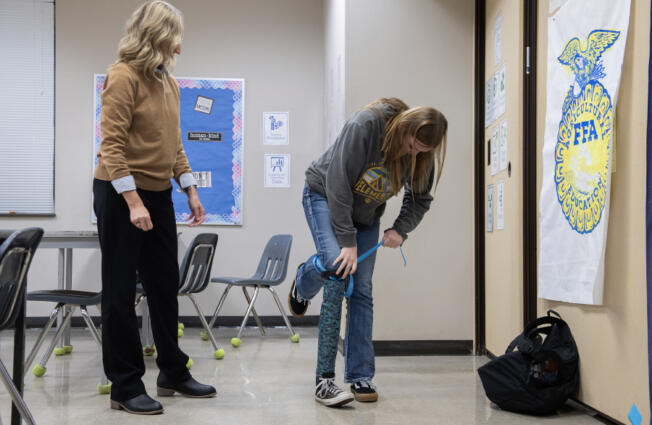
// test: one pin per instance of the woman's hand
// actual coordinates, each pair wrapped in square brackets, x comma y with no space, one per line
[197,216]
[348,260]
[392,239]
[138,213]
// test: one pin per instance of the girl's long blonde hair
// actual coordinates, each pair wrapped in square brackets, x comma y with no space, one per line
[428,126]
[152,34]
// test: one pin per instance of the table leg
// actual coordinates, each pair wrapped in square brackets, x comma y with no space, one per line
[19,357]
[66,334]
[60,285]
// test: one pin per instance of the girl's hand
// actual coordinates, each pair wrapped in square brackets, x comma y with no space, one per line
[392,239]
[348,260]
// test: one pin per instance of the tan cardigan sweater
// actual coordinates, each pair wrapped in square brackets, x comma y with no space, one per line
[140,129]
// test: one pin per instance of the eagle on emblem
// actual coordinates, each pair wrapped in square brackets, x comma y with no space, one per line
[585,63]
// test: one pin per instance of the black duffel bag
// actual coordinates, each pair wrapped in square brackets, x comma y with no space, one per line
[540,375]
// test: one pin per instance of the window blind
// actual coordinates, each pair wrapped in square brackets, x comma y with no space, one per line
[27,107]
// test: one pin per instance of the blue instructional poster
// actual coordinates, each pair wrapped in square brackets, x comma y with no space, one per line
[211,121]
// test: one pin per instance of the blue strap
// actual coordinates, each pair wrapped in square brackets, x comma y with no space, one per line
[316,262]
[371,251]
[403,256]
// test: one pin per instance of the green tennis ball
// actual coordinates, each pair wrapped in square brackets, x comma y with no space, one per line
[59,351]
[180,333]
[68,348]
[181,325]
[236,342]
[104,389]
[190,363]
[203,335]
[219,354]
[294,338]
[38,370]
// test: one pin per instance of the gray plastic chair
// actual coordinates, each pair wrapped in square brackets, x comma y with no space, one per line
[272,270]
[16,253]
[68,301]
[194,276]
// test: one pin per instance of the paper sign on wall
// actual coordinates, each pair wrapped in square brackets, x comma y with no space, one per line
[277,170]
[500,205]
[503,145]
[494,150]
[498,30]
[276,128]
[490,208]
[495,96]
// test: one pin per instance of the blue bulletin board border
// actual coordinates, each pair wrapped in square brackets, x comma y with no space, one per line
[221,195]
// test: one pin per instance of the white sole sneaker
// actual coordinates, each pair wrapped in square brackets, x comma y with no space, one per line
[337,401]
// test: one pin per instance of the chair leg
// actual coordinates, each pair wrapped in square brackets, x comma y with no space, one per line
[246,316]
[15,395]
[103,387]
[41,337]
[57,336]
[253,309]
[202,319]
[146,339]
[220,303]
[139,300]
[91,326]
[282,310]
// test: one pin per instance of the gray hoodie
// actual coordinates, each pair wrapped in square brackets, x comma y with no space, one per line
[352,177]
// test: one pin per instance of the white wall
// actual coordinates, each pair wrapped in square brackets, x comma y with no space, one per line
[422,51]
[334,89]
[276,46]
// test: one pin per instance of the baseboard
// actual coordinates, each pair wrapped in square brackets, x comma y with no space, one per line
[267,321]
[424,348]
[193,321]
[419,348]
[596,414]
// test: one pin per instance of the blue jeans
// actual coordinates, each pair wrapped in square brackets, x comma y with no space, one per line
[358,347]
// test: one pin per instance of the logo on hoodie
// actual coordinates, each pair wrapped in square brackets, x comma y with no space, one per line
[374,185]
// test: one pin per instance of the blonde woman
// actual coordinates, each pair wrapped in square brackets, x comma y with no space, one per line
[140,151]
[381,149]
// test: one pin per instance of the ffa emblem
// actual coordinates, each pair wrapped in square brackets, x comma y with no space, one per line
[585,131]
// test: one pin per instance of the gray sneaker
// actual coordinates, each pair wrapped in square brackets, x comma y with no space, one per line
[329,394]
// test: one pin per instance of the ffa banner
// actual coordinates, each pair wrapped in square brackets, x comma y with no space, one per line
[586,44]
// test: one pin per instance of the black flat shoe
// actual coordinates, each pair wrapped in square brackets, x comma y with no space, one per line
[190,388]
[139,405]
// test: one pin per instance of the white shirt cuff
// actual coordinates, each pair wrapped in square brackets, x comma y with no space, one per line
[186,180]
[124,184]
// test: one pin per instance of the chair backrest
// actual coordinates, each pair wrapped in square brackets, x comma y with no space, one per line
[273,265]
[16,254]
[195,269]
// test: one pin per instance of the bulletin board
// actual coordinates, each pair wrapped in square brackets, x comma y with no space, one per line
[212,122]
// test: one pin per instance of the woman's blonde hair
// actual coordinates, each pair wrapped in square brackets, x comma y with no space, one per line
[152,34]
[428,126]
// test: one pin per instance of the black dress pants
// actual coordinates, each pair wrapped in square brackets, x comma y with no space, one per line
[126,249]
